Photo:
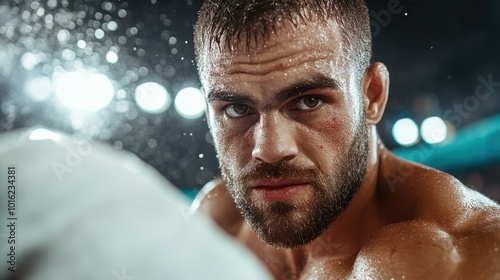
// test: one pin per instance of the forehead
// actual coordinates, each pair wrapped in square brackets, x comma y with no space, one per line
[288,49]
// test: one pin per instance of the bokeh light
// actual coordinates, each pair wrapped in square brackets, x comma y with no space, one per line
[112,25]
[405,132]
[39,89]
[84,90]
[29,60]
[433,130]
[152,98]
[190,103]
[112,57]
[99,34]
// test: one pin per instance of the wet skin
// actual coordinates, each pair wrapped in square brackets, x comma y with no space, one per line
[405,221]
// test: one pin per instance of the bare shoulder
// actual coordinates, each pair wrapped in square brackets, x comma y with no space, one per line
[215,200]
[409,250]
[428,194]
[450,231]
[423,250]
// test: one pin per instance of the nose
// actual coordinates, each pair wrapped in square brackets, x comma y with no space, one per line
[274,140]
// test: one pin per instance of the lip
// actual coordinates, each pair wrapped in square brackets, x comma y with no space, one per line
[277,183]
[280,189]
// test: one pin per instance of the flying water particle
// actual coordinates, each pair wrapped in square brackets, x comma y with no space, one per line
[108,6]
[40,12]
[143,71]
[112,26]
[49,19]
[46,69]
[112,57]
[133,31]
[26,15]
[152,143]
[121,106]
[63,36]
[26,29]
[68,55]
[99,33]
[34,5]
[81,44]
[52,4]
[169,71]
[122,13]
[29,60]
[122,40]
[121,94]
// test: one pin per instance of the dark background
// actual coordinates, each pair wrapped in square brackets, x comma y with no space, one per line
[435,51]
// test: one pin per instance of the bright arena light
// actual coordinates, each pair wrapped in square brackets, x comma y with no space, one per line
[84,90]
[433,130]
[405,132]
[190,103]
[152,98]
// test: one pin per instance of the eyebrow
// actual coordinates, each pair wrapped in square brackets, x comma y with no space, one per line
[313,82]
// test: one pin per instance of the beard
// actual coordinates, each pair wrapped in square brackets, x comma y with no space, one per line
[292,224]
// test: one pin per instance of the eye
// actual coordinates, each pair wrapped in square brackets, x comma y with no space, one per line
[238,110]
[308,103]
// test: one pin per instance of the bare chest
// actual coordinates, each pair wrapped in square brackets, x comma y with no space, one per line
[412,255]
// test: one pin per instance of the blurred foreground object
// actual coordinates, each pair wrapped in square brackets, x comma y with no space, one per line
[82,210]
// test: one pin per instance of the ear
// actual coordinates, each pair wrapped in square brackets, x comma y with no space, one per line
[375,92]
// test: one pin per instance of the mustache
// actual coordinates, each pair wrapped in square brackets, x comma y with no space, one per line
[275,171]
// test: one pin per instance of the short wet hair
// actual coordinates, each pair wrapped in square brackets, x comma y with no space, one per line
[232,22]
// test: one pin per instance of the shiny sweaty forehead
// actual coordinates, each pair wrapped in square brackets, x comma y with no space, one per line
[291,49]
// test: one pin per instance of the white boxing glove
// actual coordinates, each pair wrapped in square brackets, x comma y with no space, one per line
[84,211]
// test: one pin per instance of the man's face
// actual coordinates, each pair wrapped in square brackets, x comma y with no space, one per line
[288,125]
